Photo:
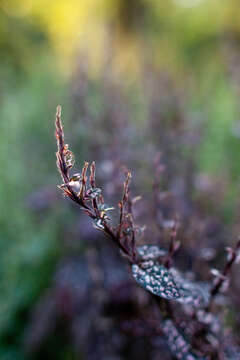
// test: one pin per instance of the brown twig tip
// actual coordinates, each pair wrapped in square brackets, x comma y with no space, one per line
[59,111]
[58,124]
[126,186]
[92,174]
[129,176]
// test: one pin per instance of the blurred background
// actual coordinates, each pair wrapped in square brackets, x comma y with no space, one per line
[137,80]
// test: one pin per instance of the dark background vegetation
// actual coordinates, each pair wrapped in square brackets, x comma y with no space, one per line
[135,78]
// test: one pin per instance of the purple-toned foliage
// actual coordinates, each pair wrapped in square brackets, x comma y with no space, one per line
[180,310]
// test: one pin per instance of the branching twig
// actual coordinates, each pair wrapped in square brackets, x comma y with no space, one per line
[222,277]
[89,197]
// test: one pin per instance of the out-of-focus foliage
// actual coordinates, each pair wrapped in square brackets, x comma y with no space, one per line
[165,71]
[133,30]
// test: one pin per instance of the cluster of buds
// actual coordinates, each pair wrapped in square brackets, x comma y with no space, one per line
[82,190]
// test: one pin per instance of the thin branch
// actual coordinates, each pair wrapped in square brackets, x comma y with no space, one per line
[222,277]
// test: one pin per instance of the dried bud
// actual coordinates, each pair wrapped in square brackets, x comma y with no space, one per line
[217,274]
[98,224]
[93,193]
